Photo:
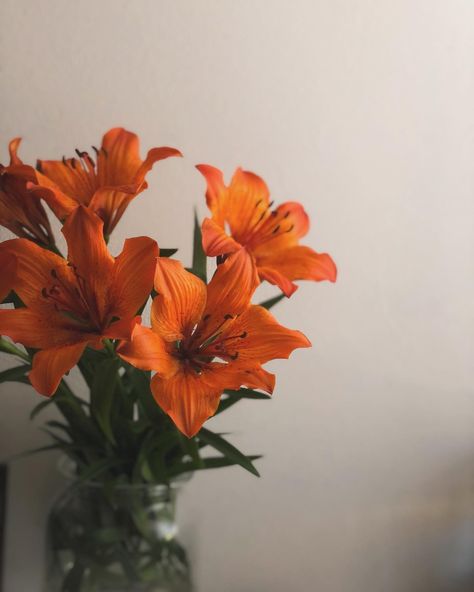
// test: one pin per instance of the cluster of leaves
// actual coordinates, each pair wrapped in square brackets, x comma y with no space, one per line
[120,434]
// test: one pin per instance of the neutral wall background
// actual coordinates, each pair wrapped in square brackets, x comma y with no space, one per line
[363,111]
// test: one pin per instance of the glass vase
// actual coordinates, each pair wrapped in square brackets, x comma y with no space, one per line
[121,538]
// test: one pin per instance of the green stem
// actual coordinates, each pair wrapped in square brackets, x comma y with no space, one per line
[9,348]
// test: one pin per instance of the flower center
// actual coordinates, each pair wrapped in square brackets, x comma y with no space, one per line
[267,226]
[211,339]
[70,296]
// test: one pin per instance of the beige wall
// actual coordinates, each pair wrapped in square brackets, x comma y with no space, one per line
[363,111]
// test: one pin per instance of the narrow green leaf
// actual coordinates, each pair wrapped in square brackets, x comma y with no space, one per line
[213,462]
[270,303]
[33,451]
[97,469]
[16,374]
[167,252]
[199,257]
[234,397]
[140,381]
[102,395]
[39,408]
[227,449]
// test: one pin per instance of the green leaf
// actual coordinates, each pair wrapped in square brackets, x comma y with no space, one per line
[38,450]
[140,381]
[245,393]
[270,303]
[199,257]
[39,408]
[96,469]
[234,397]
[16,374]
[102,395]
[227,449]
[213,462]
[167,252]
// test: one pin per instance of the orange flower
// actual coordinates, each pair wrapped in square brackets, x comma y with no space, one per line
[7,273]
[271,236]
[21,211]
[78,302]
[107,185]
[205,339]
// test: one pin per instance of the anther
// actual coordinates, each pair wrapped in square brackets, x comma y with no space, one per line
[64,160]
[39,168]
[290,228]
[286,215]
[54,273]
[95,150]
[44,293]
[104,151]
[228,317]
[234,356]
[258,203]
[276,229]
[73,163]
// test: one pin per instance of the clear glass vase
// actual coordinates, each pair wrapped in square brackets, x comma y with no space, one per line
[120,539]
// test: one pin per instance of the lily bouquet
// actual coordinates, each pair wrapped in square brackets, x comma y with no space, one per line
[152,382]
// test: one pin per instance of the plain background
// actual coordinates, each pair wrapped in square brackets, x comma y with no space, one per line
[363,111]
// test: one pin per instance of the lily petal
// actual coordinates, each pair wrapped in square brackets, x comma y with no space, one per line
[233,285]
[260,338]
[180,302]
[119,162]
[133,275]
[259,378]
[67,181]
[50,365]
[148,351]
[8,266]
[88,252]
[35,328]
[299,263]
[216,191]
[273,276]
[34,267]
[13,149]
[154,155]
[215,241]
[188,398]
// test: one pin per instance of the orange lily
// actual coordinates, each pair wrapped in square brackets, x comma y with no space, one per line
[7,274]
[205,339]
[271,236]
[106,185]
[79,302]
[20,211]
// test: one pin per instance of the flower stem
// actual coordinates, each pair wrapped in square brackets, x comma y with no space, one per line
[9,348]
